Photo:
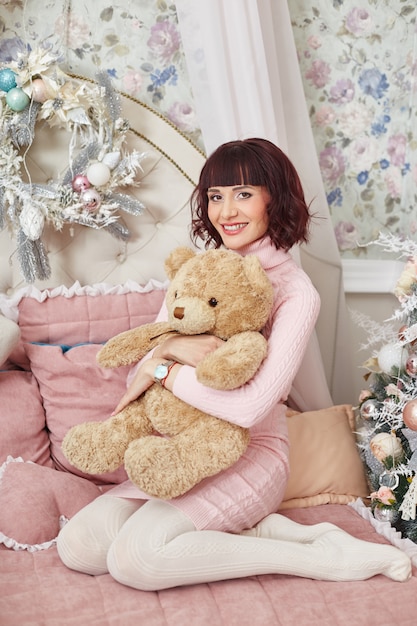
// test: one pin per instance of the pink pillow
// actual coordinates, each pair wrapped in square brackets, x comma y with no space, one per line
[73,319]
[22,419]
[75,389]
[35,501]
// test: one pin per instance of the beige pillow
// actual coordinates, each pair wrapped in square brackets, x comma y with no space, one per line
[325,466]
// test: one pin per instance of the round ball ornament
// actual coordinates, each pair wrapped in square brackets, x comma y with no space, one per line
[91,200]
[17,99]
[7,79]
[98,174]
[369,409]
[391,356]
[80,183]
[410,414]
[383,514]
[411,365]
[39,91]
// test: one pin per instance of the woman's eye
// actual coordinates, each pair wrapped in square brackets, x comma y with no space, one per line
[215,197]
[245,194]
[213,302]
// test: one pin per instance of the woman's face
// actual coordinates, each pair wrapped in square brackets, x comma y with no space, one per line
[238,213]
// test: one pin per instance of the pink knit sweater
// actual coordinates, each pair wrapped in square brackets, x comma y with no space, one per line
[254,486]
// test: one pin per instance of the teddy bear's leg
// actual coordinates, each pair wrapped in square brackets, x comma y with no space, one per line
[98,447]
[167,468]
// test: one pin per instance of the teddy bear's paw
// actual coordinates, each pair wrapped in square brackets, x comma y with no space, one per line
[156,466]
[234,363]
[92,449]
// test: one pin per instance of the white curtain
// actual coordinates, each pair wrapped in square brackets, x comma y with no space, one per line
[246,82]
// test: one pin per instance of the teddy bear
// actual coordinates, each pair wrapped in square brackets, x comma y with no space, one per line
[166,445]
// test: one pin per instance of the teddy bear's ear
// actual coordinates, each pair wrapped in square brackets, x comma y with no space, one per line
[176,259]
[257,275]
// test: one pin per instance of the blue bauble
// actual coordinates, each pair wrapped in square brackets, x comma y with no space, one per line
[7,79]
[17,99]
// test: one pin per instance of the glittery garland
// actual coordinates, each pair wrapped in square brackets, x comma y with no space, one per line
[32,258]
[22,134]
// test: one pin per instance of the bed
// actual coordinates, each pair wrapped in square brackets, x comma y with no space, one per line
[99,286]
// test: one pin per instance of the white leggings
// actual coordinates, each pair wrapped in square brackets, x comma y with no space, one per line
[153,545]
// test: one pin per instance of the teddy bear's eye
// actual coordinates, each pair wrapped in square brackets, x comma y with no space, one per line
[213,302]
[176,295]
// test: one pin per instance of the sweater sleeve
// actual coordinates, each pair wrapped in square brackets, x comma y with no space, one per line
[295,313]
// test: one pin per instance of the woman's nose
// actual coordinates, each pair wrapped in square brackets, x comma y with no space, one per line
[228,208]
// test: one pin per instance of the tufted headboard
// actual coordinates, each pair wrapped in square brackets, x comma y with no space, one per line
[170,171]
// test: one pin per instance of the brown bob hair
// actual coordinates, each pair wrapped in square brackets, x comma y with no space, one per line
[256,162]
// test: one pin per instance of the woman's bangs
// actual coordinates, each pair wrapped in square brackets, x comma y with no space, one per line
[234,168]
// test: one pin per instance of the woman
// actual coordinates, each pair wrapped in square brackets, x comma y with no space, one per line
[249,198]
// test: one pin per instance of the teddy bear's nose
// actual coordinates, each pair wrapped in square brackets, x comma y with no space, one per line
[179,312]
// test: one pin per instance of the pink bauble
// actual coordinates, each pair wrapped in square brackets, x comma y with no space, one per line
[80,183]
[410,414]
[91,200]
[411,365]
[39,92]
[98,174]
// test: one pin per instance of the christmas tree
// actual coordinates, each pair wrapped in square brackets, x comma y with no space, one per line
[387,411]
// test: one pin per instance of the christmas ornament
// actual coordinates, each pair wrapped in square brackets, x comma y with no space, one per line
[389,479]
[90,112]
[386,445]
[391,356]
[369,409]
[411,364]
[410,414]
[16,99]
[80,183]
[98,174]
[39,91]
[7,79]
[383,514]
[91,200]
[32,221]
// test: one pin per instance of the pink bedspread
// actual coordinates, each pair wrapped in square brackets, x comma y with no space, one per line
[37,590]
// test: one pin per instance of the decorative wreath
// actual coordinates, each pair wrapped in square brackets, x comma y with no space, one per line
[35,90]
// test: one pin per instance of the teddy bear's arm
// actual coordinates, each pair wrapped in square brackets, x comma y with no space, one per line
[130,346]
[234,363]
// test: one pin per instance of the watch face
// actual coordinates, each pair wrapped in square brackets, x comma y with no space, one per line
[160,372]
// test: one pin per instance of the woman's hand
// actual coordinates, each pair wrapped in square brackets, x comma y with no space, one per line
[187,349]
[142,380]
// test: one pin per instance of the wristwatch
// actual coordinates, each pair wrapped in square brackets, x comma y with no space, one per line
[162,371]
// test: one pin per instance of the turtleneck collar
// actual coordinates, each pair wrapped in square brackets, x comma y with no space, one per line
[266,252]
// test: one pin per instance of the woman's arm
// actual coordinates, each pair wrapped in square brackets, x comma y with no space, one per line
[297,307]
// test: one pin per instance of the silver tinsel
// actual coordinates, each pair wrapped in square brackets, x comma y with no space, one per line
[32,258]
[22,129]
[81,161]
[111,96]
[126,203]
[118,231]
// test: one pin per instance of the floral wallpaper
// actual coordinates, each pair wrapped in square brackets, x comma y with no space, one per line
[136,41]
[358,62]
